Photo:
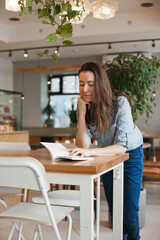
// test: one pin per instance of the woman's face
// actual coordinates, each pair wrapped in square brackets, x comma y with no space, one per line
[87,85]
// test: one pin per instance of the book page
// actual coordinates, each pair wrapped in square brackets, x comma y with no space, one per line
[56,149]
[57,152]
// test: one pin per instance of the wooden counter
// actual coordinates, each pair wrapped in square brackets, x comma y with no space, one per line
[17,136]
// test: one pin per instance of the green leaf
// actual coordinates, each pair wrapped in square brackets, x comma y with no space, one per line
[66,6]
[67,42]
[58,53]
[65,31]
[57,10]
[42,54]
[52,37]
[45,21]
[37,1]
[51,20]
[29,3]
[42,12]
[24,10]
[54,57]
[30,9]
[72,14]
[46,52]
[68,27]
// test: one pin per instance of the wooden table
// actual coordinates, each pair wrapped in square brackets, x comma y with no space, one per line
[83,173]
[150,139]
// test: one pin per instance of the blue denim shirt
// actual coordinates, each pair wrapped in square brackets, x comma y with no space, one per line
[122,130]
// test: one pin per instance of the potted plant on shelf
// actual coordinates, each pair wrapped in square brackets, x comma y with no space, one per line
[136,75]
[49,111]
[72,113]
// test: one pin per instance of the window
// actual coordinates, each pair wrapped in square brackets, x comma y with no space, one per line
[63,92]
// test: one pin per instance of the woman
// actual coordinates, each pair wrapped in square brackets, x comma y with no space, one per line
[105,114]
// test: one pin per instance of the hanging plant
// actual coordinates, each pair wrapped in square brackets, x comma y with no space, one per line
[136,76]
[57,13]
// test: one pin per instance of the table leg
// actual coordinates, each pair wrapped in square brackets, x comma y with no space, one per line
[86,209]
[86,183]
[98,208]
[118,202]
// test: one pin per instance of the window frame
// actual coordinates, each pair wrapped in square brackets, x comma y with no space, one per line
[60,76]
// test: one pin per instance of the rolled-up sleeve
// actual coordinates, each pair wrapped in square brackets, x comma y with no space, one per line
[124,123]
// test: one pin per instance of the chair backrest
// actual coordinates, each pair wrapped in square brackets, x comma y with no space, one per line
[15,146]
[23,172]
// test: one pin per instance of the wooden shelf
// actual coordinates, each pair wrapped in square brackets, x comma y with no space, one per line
[17,136]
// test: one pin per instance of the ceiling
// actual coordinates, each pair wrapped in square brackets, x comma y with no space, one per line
[132,22]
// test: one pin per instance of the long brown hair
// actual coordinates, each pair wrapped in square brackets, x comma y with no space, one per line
[102,108]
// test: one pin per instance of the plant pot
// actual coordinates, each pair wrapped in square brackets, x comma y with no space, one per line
[73,124]
[49,122]
[142,208]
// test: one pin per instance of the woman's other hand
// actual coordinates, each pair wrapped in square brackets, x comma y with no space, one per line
[80,152]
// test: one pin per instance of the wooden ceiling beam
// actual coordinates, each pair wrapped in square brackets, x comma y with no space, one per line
[45,69]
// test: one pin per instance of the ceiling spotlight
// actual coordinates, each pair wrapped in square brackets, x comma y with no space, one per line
[154,93]
[153,43]
[57,49]
[10,53]
[109,47]
[22,97]
[48,82]
[25,53]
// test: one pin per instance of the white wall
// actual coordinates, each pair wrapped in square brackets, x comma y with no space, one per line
[31,106]
[153,126]
[6,74]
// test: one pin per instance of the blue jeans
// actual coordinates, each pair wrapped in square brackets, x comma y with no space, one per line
[133,170]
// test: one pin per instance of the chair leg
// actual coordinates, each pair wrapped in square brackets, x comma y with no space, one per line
[69,227]
[20,231]
[38,232]
[12,230]
[35,233]
[3,203]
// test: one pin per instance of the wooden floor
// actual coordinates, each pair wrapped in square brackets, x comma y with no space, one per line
[151,230]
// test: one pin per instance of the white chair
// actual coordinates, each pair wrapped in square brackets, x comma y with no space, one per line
[15,146]
[29,173]
[12,147]
[5,191]
[71,198]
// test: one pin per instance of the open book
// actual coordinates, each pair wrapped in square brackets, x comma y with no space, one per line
[58,153]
